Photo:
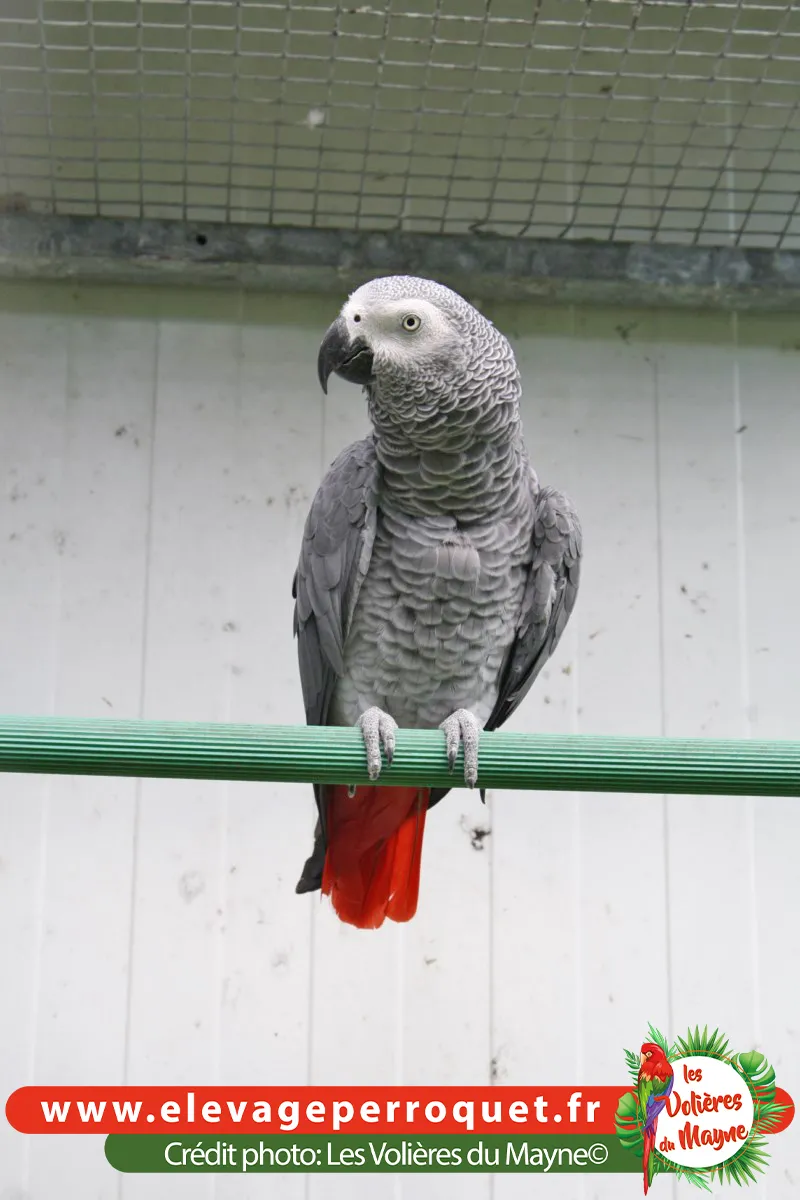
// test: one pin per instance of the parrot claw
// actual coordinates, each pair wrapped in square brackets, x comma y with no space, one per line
[378,730]
[462,727]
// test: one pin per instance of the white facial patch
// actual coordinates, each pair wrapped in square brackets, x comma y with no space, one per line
[396,328]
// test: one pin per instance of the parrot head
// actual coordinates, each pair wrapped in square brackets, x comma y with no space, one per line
[653,1062]
[399,331]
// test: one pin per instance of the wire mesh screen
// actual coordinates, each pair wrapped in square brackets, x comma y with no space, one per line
[617,120]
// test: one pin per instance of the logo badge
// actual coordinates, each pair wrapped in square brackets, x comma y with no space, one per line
[700,1111]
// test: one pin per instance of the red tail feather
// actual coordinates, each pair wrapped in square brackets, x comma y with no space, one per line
[649,1143]
[374,853]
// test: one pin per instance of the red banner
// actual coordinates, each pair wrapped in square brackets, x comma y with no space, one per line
[303,1110]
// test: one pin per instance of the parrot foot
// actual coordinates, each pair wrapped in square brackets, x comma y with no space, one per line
[378,730]
[460,727]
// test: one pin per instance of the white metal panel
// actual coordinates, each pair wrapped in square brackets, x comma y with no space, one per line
[768,416]
[703,613]
[622,930]
[101,543]
[537,1035]
[700,631]
[179,439]
[178,919]
[33,358]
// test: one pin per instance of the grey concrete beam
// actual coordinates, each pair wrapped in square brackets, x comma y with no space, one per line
[322,260]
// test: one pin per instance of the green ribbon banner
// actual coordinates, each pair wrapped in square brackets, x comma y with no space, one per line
[316,1153]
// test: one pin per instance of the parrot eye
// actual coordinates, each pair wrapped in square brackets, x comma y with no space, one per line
[411,323]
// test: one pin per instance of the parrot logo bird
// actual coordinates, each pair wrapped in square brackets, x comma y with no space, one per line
[653,1086]
[435,577]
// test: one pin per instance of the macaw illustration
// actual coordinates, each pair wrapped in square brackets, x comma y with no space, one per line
[652,1089]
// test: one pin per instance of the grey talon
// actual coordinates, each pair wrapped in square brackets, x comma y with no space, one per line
[378,730]
[461,727]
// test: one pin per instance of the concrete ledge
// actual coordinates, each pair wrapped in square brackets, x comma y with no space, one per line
[321,260]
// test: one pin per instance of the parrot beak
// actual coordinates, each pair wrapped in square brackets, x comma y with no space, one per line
[352,360]
[641,1060]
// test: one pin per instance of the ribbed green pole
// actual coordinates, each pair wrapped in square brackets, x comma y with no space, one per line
[302,754]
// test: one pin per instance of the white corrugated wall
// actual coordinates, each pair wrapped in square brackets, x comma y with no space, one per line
[158,451]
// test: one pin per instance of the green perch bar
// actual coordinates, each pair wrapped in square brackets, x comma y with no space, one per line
[305,754]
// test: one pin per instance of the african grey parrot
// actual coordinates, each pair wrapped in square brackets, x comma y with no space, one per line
[436,575]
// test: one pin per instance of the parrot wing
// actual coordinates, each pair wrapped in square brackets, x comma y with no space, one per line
[652,1095]
[549,599]
[334,559]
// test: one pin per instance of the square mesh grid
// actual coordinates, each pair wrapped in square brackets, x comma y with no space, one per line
[607,119]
